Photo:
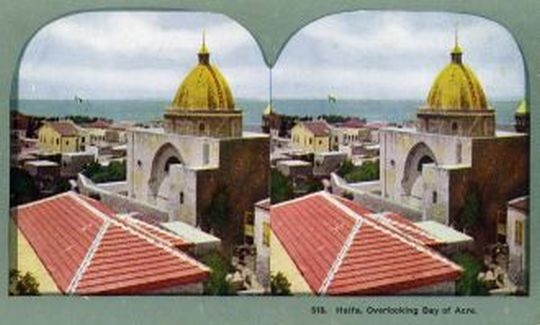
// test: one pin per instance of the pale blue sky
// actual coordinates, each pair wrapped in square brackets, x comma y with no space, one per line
[372,55]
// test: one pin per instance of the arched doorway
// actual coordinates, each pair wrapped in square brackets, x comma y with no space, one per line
[159,182]
[418,156]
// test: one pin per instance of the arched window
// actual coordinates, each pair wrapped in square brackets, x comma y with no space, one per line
[422,161]
[171,160]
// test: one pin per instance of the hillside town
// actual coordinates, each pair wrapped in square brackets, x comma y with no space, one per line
[323,205]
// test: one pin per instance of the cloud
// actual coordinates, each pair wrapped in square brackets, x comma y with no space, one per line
[390,55]
[134,55]
[394,55]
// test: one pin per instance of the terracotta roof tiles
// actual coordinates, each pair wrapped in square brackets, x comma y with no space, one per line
[318,128]
[87,249]
[341,248]
[64,128]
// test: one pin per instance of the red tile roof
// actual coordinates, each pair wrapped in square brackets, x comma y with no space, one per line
[395,222]
[318,128]
[99,124]
[166,237]
[64,128]
[521,204]
[152,219]
[341,248]
[354,123]
[87,249]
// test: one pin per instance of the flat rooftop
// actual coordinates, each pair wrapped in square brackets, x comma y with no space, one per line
[41,163]
[294,163]
[443,233]
[189,233]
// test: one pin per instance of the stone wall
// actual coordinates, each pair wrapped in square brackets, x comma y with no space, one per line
[117,202]
[445,188]
[470,124]
[115,187]
[516,250]
[372,201]
[243,174]
[204,124]
[262,265]
[399,147]
[500,170]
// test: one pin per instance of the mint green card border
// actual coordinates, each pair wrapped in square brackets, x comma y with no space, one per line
[271,23]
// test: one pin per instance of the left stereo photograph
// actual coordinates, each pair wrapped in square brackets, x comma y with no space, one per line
[137,156]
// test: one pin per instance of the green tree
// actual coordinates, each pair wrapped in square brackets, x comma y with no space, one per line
[314,186]
[220,267]
[368,171]
[346,167]
[280,285]
[471,210]
[61,185]
[281,188]
[219,211]
[25,285]
[115,171]
[468,284]
[22,187]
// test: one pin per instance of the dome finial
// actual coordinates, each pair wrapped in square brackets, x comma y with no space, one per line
[456,52]
[204,55]
[456,36]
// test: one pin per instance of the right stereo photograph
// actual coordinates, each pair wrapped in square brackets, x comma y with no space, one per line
[399,153]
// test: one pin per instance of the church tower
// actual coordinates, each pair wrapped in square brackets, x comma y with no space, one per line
[456,103]
[522,117]
[204,104]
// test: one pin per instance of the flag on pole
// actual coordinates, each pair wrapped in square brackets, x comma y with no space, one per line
[331,98]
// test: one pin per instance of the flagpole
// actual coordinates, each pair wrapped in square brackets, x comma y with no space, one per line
[270,88]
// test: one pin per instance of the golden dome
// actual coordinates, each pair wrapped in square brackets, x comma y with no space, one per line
[269,110]
[456,88]
[523,108]
[204,88]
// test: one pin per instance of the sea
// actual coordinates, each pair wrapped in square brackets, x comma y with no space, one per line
[396,111]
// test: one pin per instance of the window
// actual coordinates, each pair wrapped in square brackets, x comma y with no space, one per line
[201,127]
[181,197]
[139,163]
[170,161]
[423,160]
[310,140]
[206,153]
[320,142]
[519,232]
[266,234]
[434,197]
[57,141]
